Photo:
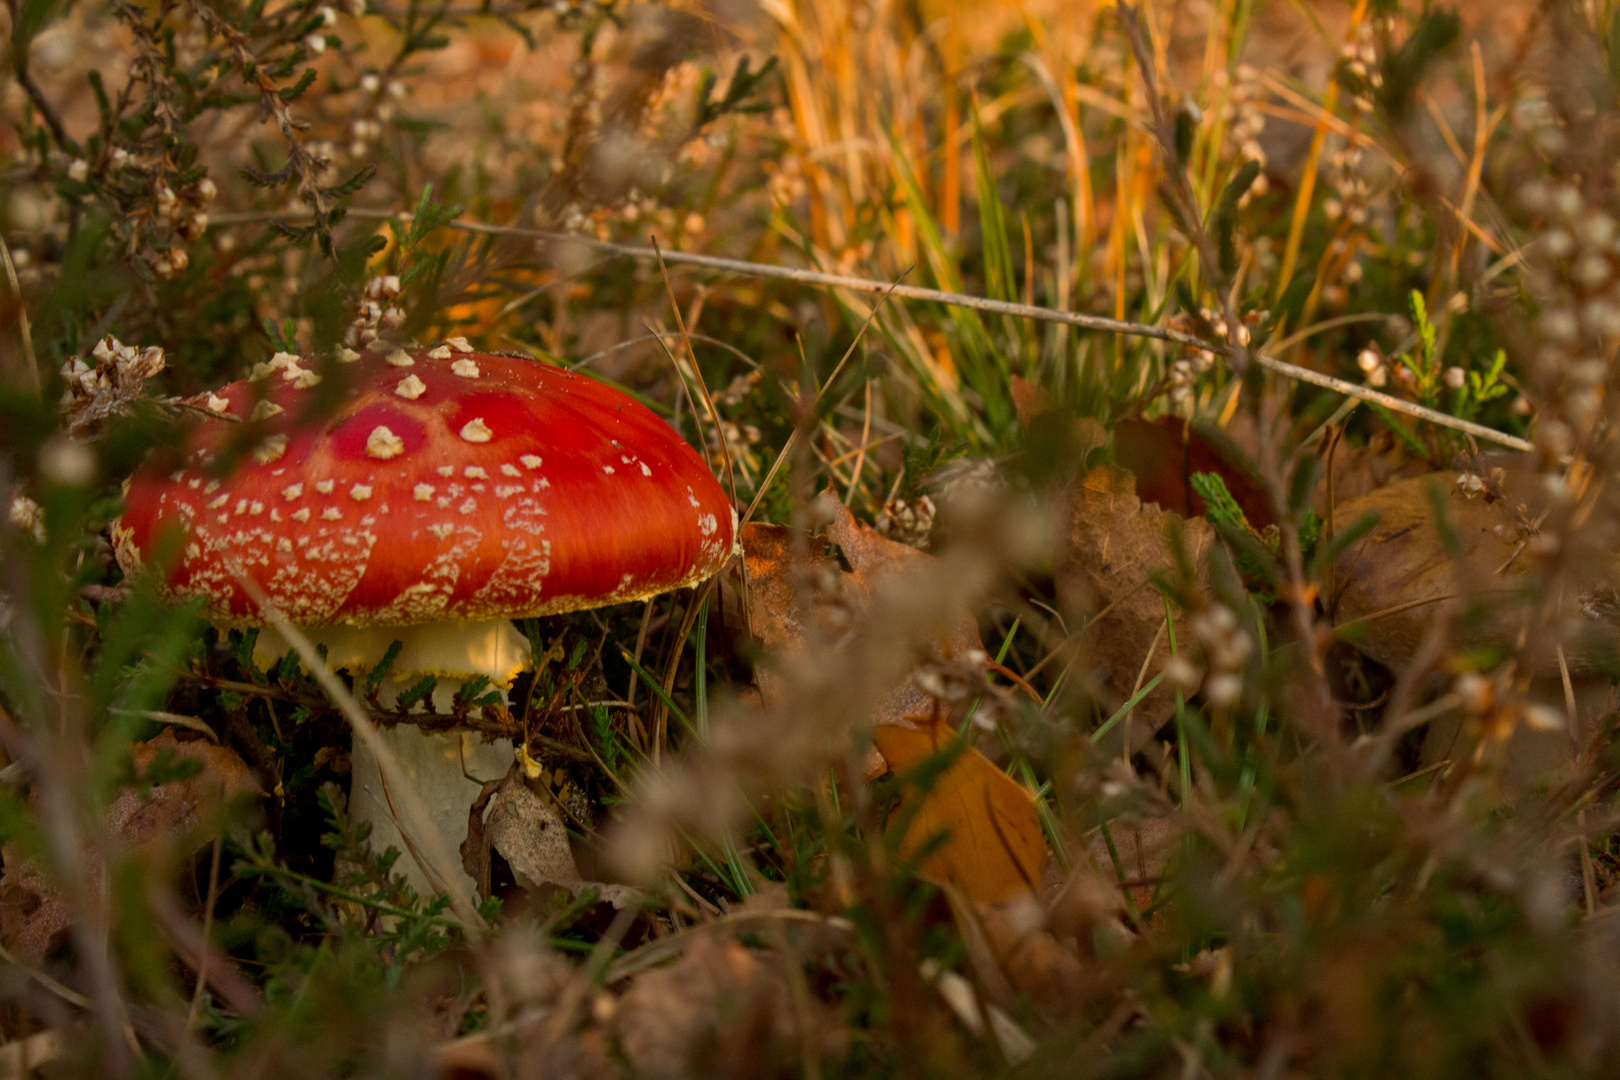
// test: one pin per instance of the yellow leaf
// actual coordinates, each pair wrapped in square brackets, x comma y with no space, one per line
[993,847]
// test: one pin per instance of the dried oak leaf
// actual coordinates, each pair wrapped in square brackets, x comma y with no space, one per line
[1113,547]
[994,848]
[164,822]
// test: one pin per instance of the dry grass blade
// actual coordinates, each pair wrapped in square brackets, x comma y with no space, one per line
[1098,323]
[22,320]
[441,866]
[792,440]
[697,373]
[23,1057]
[739,922]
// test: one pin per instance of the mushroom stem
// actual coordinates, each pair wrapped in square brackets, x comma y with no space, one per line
[446,768]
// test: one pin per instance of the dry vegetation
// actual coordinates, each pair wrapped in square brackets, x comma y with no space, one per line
[1086,699]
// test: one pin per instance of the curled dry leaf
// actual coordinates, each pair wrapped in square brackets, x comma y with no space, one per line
[1115,540]
[509,819]
[994,847]
[1113,548]
[165,822]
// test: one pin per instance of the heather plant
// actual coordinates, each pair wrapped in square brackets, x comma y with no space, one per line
[1171,630]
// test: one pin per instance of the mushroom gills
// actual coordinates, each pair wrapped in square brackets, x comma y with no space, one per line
[455,652]
[445,768]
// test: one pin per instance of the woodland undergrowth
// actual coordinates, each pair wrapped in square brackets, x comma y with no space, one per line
[1196,696]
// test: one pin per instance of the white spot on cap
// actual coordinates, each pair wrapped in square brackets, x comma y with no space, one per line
[302,378]
[219,404]
[410,388]
[469,506]
[441,531]
[255,507]
[331,513]
[300,515]
[644,470]
[193,482]
[446,470]
[284,544]
[384,444]
[178,475]
[325,486]
[219,502]
[401,358]
[507,469]
[475,472]
[467,369]
[241,505]
[213,486]
[608,469]
[458,343]
[347,355]
[530,461]
[441,353]
[270,449]
[475,430]
[193,551]
[362,492]
[422,492]
[264,410]
[292,491]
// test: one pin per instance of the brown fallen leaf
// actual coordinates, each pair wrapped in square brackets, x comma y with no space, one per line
[994,847]
[1112,549]
[1390,584]
[721,1010]
[1115,538]
[1165,453]
[513,821]
[1358,470]
[1037,965]
[164,822]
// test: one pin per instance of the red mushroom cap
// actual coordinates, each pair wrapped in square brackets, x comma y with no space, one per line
[449,485]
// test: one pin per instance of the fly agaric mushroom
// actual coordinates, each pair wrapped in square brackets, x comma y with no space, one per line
[450,492]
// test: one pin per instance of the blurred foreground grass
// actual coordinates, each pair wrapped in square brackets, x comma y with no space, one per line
[1286,835]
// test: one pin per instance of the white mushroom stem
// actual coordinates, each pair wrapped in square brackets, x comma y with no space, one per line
[445,767]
